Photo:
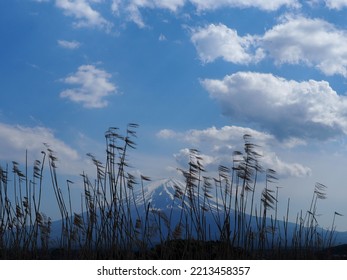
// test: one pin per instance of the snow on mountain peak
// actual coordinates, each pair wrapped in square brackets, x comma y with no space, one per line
[169,193]
[160,194]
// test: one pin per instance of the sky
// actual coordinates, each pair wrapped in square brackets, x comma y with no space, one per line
[193,74]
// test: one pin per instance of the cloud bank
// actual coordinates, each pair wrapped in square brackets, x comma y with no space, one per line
[217,146]
[16,139]
[285,108]
[295,40]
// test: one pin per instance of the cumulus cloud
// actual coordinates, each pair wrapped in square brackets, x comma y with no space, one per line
[217,146]
[83,12]
[16,139]
[336,4]
[285,108]
[214,41]
[313,42]
[72,45]
[93,87]
[295,40]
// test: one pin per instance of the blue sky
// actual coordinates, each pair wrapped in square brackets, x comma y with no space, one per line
[193,74]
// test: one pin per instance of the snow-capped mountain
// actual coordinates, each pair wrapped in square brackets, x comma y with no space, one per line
[163,196]
[170,201]
[167,194]
[166,204]
[160,195]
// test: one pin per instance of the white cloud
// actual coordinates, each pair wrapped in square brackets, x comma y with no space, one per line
[285,108]
[208,161]
[16,139]
[82,11]
[88,16]
[132,9]
[231,134]
[172,5]
[93,87]
[260,4]
[116,6]
[295,40]
[166,133]
[217,147]
[214,41]
[292,142]
[162,37]
[313,42]
[72,45]
[134,14]
[282,168]
[336,4]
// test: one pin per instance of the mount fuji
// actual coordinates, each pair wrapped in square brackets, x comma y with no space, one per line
[166,205]
[160,195]
[168,202]
[171,194]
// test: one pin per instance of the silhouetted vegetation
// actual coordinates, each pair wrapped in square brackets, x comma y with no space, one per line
[111,224]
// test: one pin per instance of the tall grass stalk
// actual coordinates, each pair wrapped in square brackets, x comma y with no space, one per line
[112,224]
